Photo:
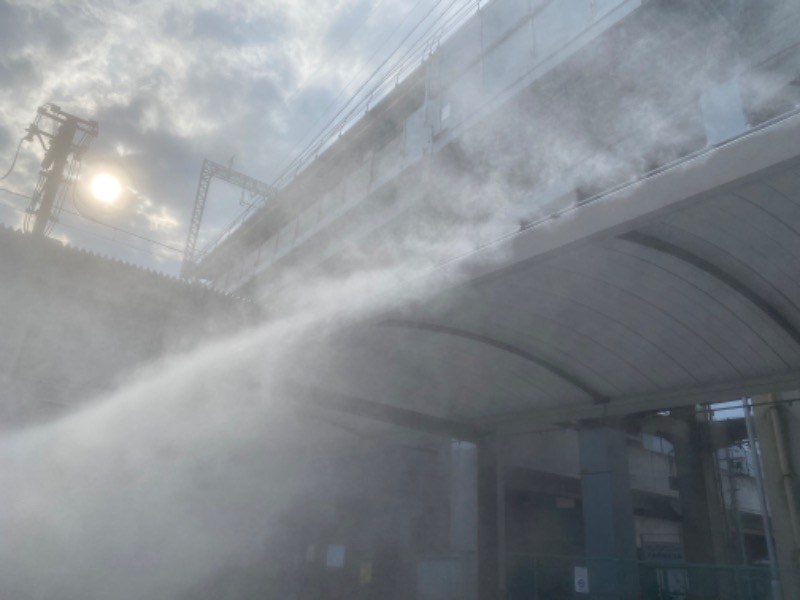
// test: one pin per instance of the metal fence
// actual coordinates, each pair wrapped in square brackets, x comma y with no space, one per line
[561,577]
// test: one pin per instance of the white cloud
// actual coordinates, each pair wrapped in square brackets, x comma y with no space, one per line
[177,82]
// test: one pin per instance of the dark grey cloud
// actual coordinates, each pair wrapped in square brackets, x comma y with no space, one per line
[219,93]
[344,24]
[264,91]
[177,159]
[5,139]
[15,23]
[22,27]
[221,26]
[159,163]
[171,22]
[18,72]
[60,30]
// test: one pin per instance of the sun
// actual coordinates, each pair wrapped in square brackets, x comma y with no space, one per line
[106,188]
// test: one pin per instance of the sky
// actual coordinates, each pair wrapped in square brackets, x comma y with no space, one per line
[172,83]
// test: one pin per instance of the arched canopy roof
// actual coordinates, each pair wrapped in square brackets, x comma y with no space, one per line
[681,288]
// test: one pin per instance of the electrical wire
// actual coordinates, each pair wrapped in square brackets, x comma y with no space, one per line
[120,242]
[103,237]
[126,232]
[14,162]
[417,48]
[13,193]
[320,139]
[327,127]
[333,102]
[97,222]
[417,51]
[345,42]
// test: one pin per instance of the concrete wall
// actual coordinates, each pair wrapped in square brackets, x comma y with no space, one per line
[74,324]
[556,452]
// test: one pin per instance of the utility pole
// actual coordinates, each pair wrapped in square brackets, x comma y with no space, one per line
[56,160]
[63,153]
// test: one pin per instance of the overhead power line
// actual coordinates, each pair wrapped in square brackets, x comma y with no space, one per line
[299,146]
[442,24]
[96,222]
[313,145]
[14,161]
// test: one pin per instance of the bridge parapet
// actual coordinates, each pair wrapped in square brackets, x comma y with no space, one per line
[510,117]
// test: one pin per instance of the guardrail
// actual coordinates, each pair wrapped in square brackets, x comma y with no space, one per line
[530,577]
[415,55]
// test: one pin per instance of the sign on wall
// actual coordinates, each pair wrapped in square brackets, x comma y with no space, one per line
[582,580]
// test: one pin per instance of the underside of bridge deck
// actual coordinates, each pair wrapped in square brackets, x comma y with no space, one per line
[678,288]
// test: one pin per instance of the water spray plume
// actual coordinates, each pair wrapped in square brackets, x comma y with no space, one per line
[192,466]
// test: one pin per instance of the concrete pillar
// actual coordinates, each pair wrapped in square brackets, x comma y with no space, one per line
[702,506]
[490,580]
[609,529]
[705,528]
[706,534]
[700,497]
[476,517]
[464,511]
[778,431]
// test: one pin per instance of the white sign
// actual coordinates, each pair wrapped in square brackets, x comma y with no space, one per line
[335,556]
[582,580]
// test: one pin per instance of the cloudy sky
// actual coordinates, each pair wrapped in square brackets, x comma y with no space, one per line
[172,83]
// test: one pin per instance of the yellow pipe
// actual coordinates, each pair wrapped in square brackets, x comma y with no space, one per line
[786,476]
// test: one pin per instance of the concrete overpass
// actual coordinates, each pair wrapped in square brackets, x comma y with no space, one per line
[665,280]
[673,291]
[677,288]
[630,264]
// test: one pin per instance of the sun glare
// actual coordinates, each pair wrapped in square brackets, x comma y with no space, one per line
[106,188]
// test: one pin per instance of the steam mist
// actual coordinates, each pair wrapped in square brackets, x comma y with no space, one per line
[189,468]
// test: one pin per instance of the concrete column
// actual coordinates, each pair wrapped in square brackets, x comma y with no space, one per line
[609,530]
[701,498]
[464,511]
[476,502]
[777,426]
[706,534]
[705,528]
[490,582]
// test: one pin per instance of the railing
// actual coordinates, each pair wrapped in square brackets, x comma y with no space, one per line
[419,50]
[406,65]
[555,577]
[620,163]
